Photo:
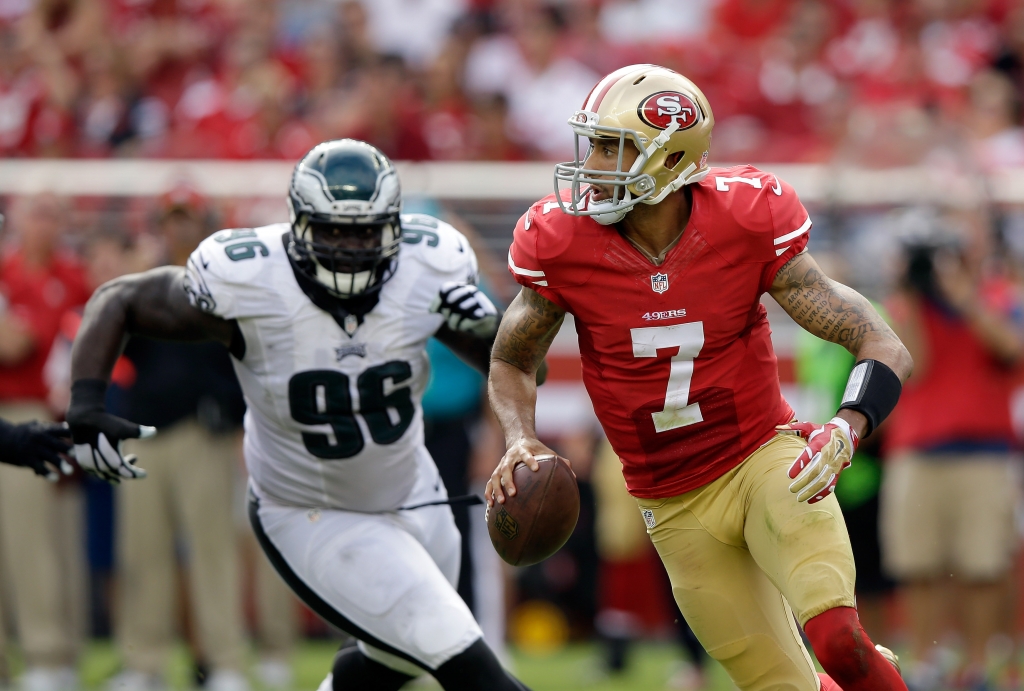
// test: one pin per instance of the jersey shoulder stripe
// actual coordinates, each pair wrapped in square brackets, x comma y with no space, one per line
[438,247]
[236,273]
[792,236]
[749,216]
[535,277]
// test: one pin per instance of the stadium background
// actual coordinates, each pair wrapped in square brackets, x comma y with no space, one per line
[880,113]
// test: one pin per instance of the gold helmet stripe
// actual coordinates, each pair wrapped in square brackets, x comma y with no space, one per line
[598,93]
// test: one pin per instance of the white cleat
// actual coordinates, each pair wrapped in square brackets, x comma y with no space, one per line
[134,680]
[275,675]
[49,679]
[227,680]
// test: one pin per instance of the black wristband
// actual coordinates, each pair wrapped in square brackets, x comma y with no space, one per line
[7,433]
[872,390]
[89,394]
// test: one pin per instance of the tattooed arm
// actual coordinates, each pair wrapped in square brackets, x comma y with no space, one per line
[525,333]
[839,314]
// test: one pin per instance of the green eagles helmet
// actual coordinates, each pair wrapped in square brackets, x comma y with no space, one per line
[345,202]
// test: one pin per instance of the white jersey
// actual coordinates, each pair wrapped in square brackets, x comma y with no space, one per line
[333,420]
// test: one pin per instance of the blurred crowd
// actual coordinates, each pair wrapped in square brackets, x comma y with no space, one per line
[932,501]
[876,82]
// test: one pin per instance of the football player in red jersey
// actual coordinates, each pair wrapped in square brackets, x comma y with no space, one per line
[662,261]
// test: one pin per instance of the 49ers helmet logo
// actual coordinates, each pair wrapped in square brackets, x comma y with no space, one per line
[665,107]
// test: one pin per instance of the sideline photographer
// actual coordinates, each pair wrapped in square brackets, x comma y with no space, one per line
[950,487]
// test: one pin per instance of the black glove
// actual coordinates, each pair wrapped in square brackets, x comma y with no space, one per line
[466,308]
[98,434]
[36,445]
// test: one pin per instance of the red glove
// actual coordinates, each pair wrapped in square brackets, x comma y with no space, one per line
[829,451]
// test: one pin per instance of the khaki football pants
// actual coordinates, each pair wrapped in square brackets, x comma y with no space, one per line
[277,608]
[743,556]
[187,495]
[42,543]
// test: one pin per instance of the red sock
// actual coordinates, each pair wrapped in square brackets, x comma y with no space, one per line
[827,684]
[847,654]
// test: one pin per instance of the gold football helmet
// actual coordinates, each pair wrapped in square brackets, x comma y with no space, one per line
[662,113]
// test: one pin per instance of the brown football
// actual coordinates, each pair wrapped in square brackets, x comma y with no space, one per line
[536,522]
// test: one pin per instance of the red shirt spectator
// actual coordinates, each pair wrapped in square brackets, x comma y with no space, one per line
[962,394]
[752,19]
[40,286]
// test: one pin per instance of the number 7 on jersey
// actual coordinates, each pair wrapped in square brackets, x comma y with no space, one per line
[689,339]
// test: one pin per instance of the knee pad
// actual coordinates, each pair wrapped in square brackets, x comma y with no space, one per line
[353,671]
[476,669]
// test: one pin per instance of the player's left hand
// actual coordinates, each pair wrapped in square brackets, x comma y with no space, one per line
[829,451]
[466,308]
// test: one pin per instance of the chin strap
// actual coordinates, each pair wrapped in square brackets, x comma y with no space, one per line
[671,187]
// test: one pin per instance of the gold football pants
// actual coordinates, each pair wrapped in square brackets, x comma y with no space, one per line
[743,556]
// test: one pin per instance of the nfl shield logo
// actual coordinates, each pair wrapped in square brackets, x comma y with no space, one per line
[659,283]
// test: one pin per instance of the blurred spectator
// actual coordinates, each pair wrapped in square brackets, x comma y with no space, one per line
[383,108]
[246,110]
[36,91]
[586,40]
[488,133]
[446,124]
[790,80]
[543,86]
[415,30]
[951,481]
[104,108]
[751,19]
[655,21]
[40,523]
[993,121]
[189,392]
[956,40]
[276,618]
[872,55]
[795,81]
[355,36]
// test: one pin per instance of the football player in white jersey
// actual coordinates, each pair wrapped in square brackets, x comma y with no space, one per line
[327,318]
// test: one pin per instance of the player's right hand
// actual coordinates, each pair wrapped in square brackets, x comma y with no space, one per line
[36,445]
[523,451]
[97,434]
[829,451]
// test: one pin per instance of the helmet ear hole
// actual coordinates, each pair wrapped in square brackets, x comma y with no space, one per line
[673,160]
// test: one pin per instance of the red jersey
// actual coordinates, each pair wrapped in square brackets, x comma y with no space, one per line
[40,300]
[678,357]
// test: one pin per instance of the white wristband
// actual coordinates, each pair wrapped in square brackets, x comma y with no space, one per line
[847,430]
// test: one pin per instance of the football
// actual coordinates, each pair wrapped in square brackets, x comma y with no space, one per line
[537,521]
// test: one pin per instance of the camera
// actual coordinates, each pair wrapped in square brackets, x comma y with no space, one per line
[920,256]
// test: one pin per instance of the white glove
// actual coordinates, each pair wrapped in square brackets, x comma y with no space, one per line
[97,434]
[466,308]
[106,462]
[829,451]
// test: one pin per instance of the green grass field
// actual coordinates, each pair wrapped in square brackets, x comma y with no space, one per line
[573,668]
